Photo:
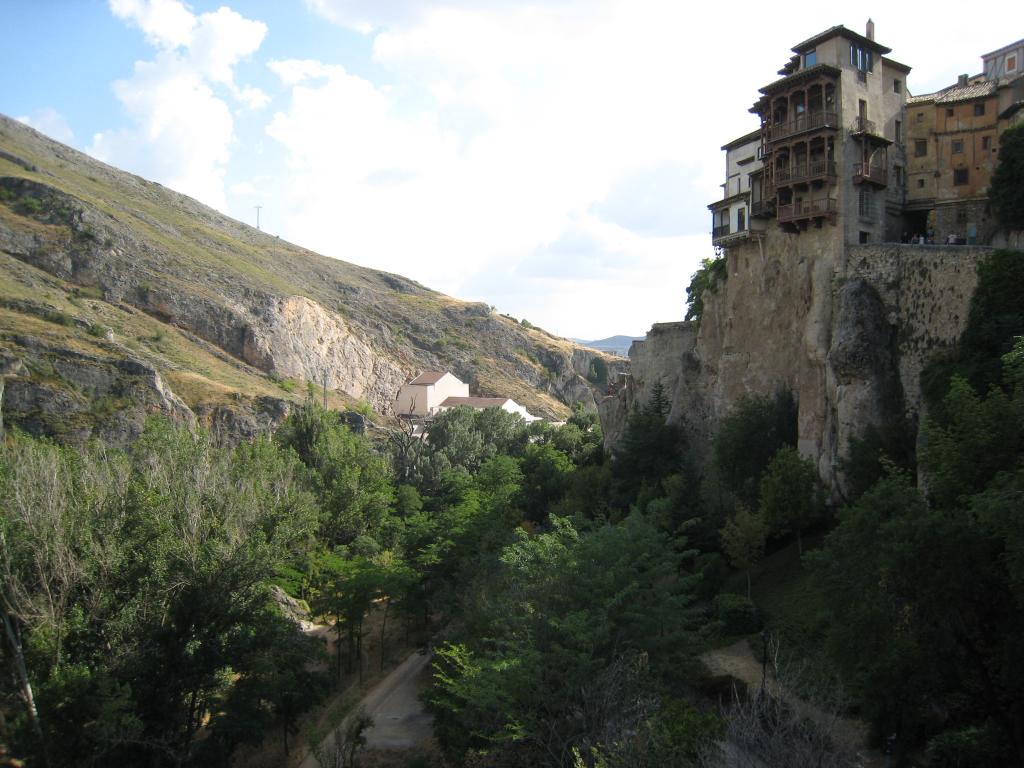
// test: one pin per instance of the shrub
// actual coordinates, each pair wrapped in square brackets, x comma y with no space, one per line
[737,614]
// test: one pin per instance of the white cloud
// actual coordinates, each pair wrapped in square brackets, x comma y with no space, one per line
[51,122]
[165,23]
[183,127]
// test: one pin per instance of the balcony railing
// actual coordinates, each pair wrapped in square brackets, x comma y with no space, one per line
[809,121]
[863,125]
[874,174]
[807,210]
[816,169]
[762,208]
[718,232]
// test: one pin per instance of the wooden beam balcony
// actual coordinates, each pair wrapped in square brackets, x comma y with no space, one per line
[809,209]
[809,121]
[867,173]
[805,172]
[717,233]
[762,209]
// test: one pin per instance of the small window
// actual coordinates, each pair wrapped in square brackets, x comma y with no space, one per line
[1011,63]
[897,86]
[863,239]
[979,109]
[810,58]
[899,132]
[920,183]
[920,117]
[920,148]
[958,146]
[986,142]
[741,220]
[897,173]
[960,177]
[949,111]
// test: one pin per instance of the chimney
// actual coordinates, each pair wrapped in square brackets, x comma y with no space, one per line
[962,80]
[870,30]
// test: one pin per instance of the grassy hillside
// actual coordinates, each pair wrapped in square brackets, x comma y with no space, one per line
[114,266]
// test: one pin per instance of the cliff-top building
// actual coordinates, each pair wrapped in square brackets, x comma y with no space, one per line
[842,146]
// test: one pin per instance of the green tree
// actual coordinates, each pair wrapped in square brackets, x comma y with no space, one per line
[743,540]
[790,493]
[703,280]
[1006,191]
[749,437]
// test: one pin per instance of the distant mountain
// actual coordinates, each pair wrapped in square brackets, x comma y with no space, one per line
[120,298]
[617,345]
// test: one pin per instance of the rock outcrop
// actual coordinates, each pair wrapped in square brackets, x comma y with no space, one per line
[847,330]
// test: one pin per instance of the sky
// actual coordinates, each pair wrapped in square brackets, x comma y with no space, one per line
[551,158]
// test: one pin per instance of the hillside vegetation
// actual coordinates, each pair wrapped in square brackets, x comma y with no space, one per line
[99,267]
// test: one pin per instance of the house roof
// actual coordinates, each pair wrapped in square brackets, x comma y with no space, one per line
[429,377]
[744,139]
[1004,49]
[965,92]
[924,98]
[474,402]
[839,30]
[895,64]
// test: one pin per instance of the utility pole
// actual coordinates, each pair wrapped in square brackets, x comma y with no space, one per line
[257,207]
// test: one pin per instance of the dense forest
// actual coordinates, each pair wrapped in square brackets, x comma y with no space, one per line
[567,594]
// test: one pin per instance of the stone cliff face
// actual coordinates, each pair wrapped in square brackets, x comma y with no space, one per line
[846,329]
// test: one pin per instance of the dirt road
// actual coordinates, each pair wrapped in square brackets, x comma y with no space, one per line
[737,660]
[400,721]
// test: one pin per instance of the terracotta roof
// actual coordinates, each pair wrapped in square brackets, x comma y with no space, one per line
[429,377]
[965,92]
[474,402]
[924,98]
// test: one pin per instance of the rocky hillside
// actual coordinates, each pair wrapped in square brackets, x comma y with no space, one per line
[119,297]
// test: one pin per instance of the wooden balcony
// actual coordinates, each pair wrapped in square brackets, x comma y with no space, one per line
[762,209]
[809,209]
[871,174]
[717,233]
[800,173]
[809,121]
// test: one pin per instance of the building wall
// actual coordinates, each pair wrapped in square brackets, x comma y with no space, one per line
[423,399]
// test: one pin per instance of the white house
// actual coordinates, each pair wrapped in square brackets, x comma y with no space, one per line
[423,395]
[480,403]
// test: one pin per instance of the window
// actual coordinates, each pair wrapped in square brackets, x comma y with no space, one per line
[741,220]
[949,111]
[979,109]
[897,86]
[959,177]
[810,58]
[1011,63]
[920,147]
[986,142]
[864,203]
[899,132]
[863,237]
[897,173]
[920,117]
[861,58]
[958,146]
[920,183]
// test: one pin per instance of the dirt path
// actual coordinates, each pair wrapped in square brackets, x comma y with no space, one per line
[400,721]
[737,660]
